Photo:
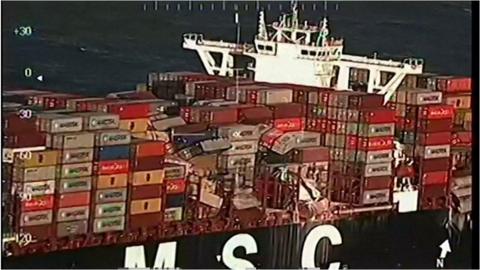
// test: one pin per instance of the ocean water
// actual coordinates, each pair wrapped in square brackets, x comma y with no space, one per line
[125,40]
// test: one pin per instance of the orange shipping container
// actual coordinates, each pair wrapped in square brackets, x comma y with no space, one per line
[135,125]
[152,177]
[73,199]
[145,206]
[112,167]
[112,181]
[149,148]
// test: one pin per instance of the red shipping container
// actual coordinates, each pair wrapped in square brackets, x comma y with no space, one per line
[461,138]
[130,110]
[288,110]
[38,203]
[289,124]
[144,221]
[436,138]
[57,101]
[147,163]
[39,232]
[433,197]
[454,84]
[220,115]
[369,144]
[432,165]
[149,149]
[146,192]
[175,186]
[12,122]
[112,167]
[11,140]
[313,125]
[256,114]
[377,116]
[436,125]
[436,112]
[365,101]
[377,182]
[73,199]
[269,137]
[435,178]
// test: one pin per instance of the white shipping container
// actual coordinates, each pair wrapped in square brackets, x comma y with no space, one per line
[57,123]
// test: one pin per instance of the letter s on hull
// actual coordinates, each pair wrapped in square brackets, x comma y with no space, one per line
[311,242]
[245,240]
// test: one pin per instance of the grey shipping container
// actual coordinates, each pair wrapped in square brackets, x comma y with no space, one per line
[109,224]
[99,120]
[34,174]
[242,147]
[73,213]
[376,196]
[272,96]
[112,137]
[433,151]
[378,169]
[74,185]
[71,141]
[370,157]
[36,218]
[75,170]
[110,209]
[57,123]
[39,188]
[80,155]
[111,195]
[239,132]
[237,161]
[72,228]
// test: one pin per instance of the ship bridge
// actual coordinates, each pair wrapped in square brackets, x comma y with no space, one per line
[288,51]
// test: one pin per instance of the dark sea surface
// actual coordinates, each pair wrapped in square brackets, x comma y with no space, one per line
[125,40]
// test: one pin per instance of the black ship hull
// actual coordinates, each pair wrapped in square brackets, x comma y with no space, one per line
[390,241]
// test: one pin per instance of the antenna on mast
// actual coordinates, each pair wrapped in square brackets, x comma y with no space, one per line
[294,6]
[237,22]
[262,27]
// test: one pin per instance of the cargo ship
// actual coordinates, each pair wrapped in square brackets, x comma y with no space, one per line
[308,158]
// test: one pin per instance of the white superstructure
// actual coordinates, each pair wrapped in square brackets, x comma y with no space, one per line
[288,51]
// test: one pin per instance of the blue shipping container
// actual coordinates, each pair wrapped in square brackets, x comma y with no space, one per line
[182,141]
[113,152]
[175,200]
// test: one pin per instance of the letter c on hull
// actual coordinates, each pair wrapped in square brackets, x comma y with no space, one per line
[311,242]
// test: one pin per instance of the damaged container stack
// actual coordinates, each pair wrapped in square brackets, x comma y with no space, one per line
[426,127]
[457,93]
[361,130]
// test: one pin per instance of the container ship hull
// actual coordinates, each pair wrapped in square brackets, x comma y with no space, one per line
[409,240]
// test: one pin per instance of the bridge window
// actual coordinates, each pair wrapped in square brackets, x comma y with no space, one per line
[304,52]
[313,53]
[261,47]
[269,48]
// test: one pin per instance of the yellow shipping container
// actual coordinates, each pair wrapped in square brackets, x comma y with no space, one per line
[135,125]
[153,177]
[145,206]
[112,181]
[36,159]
